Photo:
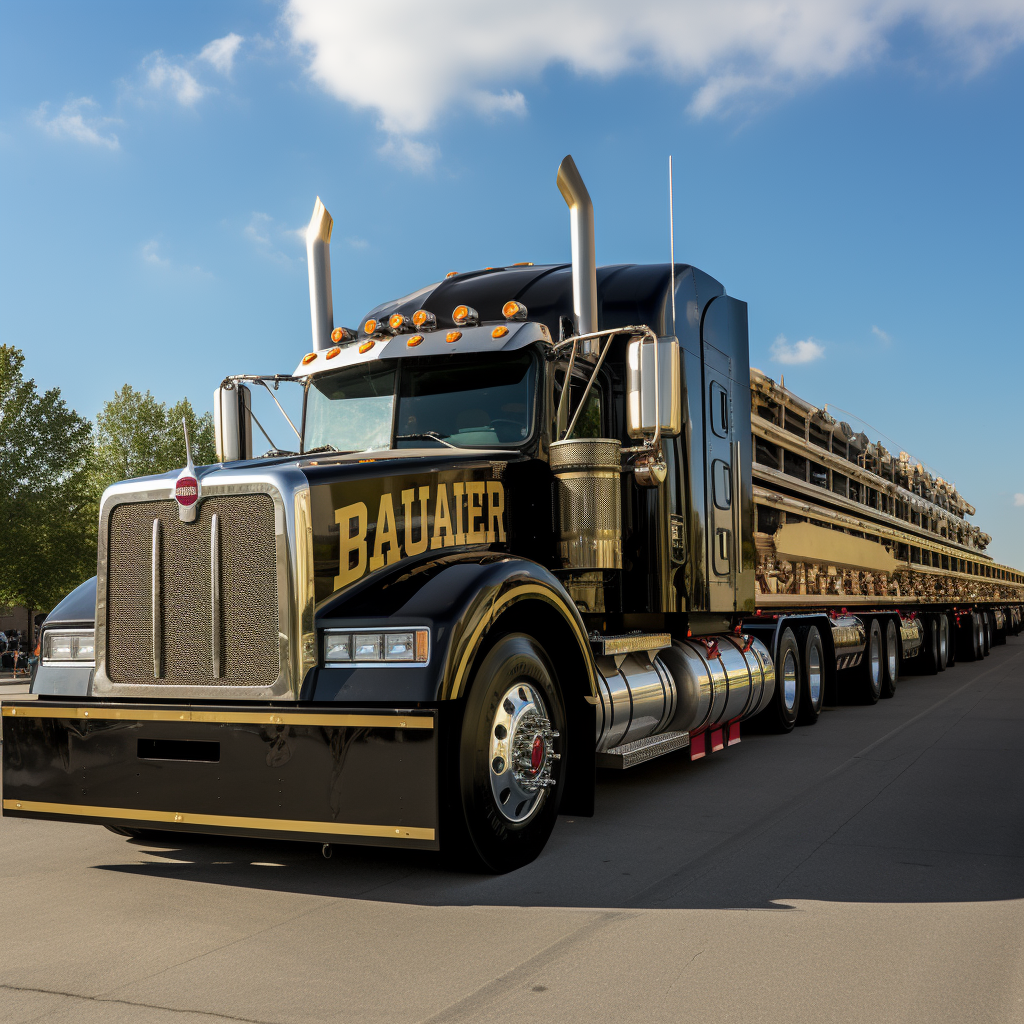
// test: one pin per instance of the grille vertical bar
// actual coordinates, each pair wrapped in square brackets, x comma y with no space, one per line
[193,604]
[155,595]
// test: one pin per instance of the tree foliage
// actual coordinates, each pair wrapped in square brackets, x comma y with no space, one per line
[138,436]
[47,506]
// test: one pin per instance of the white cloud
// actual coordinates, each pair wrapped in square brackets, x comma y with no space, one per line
[221,52]
[151,255]
[797,352]
[260,231]
[410,154]
[72,122]
[409,61]
[162,76]
[1018,501]
[880,334]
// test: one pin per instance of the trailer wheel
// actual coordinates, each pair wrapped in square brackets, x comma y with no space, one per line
[942,626]
[930,647]
[986,635]
[511,758]
[812,678]
[891,658]
[864,683]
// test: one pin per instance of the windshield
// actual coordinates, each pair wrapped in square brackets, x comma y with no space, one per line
[466,401]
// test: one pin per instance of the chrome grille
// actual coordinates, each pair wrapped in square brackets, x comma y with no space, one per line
[248,637]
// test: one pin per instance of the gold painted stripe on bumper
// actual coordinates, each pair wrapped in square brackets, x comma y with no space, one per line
[229,717]
[222,820]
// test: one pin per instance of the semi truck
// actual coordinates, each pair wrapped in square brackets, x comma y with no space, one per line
[539,520]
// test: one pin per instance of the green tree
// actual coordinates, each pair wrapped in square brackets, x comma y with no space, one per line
[138,436]
[47,507]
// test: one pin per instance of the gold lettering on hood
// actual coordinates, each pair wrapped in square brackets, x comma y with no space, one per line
[475,515]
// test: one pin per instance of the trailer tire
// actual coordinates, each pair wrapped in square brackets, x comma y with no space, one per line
[942,628]
[812,678]
[864,683]
[930,647]
[513,736]
[986,634]
[891,659]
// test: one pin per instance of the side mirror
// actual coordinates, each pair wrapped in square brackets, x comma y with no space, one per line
[232,422]
[644,388]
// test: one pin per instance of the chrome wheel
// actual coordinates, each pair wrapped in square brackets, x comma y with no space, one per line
[814,675]
[891,649]
[875,662]
[789,681]
[521,753]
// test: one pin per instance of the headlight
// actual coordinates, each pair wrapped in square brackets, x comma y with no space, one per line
[387,647]
[71,646]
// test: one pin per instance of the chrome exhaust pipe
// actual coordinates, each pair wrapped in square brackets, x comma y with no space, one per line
[584,259]
[318,261]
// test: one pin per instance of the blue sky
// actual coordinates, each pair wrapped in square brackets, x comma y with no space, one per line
[852,171]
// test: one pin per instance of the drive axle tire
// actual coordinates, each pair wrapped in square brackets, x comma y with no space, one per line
[511,758]
[812,678]
[784,709]
[891,658]
[929,656]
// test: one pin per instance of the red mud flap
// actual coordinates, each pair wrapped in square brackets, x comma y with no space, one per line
[714,739]
[323,774]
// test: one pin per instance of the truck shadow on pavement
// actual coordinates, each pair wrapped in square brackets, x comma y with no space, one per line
[934,815]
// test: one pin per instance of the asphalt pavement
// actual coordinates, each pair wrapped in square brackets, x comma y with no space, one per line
[869,868]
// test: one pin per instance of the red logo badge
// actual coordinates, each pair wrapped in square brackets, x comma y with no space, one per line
[186,491]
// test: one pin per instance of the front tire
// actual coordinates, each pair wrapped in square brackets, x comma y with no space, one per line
[511,758]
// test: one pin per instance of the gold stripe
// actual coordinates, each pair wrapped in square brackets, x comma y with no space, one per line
[523,590]
[230,717]
[222,820]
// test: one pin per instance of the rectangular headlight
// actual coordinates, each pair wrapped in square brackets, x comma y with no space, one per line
[408,646]
[74,646]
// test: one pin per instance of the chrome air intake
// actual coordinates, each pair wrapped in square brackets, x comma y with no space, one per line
[686,688]
[589,502]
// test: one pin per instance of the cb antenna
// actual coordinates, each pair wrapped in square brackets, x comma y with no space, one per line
[671,244]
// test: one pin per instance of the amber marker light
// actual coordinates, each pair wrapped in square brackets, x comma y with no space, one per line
[416,339]
[499,332]
[366,346]
[463,315]
[424,320]
[452,336]
[334,352]
[451,273]
[370,326]
[340,334]
[513,310]
[307,359]
[398,322]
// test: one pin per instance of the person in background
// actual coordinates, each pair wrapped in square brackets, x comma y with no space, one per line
[3,648]
[14,645]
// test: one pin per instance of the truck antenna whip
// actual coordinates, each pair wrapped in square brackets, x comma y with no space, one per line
[671,244]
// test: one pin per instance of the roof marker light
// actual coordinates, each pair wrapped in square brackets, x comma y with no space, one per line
[423,320]
[452,336]
[373,327]
[499,332]
[340,334]
[398,322]
[308,358]
[334,352]
[513,310]
[522,264]
[465,316]
[416,339]
[451,273]
[366,346]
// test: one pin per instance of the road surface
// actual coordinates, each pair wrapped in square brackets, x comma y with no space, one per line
[869,868]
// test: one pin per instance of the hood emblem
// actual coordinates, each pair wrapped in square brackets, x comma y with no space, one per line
[186,487]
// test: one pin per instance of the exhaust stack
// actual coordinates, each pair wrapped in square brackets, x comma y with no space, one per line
[584,261]
[318,260]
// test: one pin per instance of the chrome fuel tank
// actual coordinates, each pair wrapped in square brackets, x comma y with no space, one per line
[638,698]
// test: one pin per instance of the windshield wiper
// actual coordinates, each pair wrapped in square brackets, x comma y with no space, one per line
[429,435]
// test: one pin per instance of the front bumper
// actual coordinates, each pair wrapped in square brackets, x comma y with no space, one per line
[320,774]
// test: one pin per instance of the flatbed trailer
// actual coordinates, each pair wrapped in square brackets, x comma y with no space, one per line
[533,528]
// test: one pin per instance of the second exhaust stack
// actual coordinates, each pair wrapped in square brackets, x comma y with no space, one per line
[318,260]
[584,259]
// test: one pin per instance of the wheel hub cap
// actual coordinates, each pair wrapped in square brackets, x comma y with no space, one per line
[522,753]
